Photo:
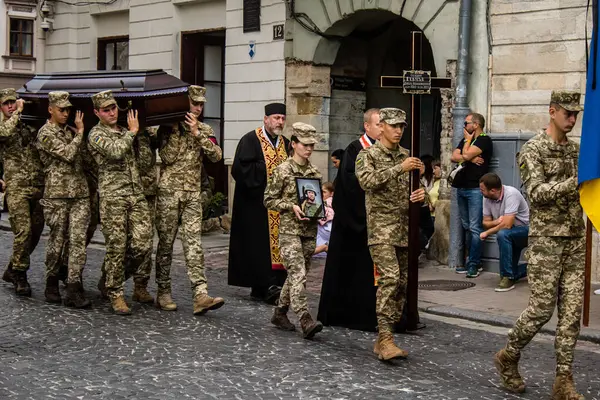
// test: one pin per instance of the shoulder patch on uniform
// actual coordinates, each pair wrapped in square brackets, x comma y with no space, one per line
[97,139]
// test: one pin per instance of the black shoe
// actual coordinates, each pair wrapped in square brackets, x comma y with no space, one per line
[22,287]
[75,297]
[52,292]
[272,296]
[8,275]
[63,274]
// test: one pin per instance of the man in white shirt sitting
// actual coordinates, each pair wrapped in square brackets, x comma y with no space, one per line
[505,214]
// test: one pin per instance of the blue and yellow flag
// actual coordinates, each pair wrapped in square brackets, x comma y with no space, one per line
[589,155]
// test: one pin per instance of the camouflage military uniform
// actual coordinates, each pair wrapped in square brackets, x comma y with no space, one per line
[556,252]
[179,199]
[297,239]
[145,151]
[387,190]
[24,178]
[66,199]
[123,207]
[387,195]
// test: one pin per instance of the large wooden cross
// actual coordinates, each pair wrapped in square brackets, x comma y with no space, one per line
[415,82]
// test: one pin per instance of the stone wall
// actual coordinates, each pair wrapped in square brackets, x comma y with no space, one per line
[538,46]
[308,93]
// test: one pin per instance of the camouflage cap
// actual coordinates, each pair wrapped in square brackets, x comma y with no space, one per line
[306,134]
[567,99]
[59,99]
[103,99]
[197,93]
[392,116]
[7,95]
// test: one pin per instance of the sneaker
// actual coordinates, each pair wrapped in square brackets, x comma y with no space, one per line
[461,270]
[505,285]
[480,268]
[473,273]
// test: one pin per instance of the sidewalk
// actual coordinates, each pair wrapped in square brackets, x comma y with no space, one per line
[479,303]
[482,304]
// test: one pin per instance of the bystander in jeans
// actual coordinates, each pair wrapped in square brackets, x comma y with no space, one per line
[473,154]
[505,214]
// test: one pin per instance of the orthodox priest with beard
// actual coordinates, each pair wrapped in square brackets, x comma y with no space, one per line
[254,259]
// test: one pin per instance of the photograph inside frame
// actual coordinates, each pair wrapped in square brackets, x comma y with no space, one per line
[310,197]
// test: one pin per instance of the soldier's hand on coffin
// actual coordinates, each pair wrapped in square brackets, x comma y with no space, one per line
[411,163]
[299,213]
[418,196]
[20,104]
[79,122]
[132,121]
[192,122]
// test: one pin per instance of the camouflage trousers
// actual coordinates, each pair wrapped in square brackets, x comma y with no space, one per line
[555,272]
[392,266]
[141,275]
[174,209]
[91,229]
[68,220]
[26,218]
[296,252]
[127,231]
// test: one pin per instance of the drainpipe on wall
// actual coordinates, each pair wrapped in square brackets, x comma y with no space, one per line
[460,111]
[461,108]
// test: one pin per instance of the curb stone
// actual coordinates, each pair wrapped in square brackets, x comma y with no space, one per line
[590,335]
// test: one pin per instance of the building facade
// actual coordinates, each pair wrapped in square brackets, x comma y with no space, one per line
[21,42]
[323,58]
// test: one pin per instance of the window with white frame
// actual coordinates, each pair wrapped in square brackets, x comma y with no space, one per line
[21,37]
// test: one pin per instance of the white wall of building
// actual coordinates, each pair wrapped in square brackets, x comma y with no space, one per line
[251,82]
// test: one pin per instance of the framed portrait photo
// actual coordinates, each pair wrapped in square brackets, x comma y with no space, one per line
[310,197]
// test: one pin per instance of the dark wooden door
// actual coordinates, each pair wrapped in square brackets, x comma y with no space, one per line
[203,63]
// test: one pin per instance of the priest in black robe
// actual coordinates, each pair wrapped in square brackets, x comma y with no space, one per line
[348,290]
[254,259]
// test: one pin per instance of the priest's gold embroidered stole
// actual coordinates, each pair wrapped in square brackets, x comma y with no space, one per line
[273,157]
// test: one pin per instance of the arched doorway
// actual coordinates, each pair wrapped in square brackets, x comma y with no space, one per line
[378,43]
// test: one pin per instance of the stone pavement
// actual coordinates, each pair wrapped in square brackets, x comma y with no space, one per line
[51,352]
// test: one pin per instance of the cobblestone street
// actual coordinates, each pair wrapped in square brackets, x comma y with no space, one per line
[51,352]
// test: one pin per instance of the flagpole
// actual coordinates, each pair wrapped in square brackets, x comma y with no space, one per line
[588,273]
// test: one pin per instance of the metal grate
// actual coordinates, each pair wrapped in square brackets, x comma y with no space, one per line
[446,285]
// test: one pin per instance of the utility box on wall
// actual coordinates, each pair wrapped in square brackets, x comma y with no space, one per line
[503,163]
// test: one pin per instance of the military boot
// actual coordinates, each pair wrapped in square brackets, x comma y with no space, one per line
[119,306]
[141,295]
[52,293]
[203,303]
[102,287]
[164,301]
[63,274]
[22,287]
[508,368]
[280,319]
[386,349]
[309,327]
[564,388]
[75,297]
[8,274]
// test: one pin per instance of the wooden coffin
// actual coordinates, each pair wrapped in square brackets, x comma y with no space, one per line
[160,98]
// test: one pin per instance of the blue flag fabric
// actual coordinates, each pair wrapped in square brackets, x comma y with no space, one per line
[589,155]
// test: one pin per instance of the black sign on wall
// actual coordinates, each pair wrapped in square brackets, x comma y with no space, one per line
[348,83]
[251,16]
